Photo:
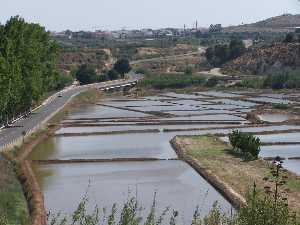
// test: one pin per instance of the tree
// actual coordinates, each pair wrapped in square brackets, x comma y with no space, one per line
[236,48]
[247,145]
[28,66]
[221,53]
[188,70]
[122,67]
[212,81]
[86,74]
[289,38]
[113,74]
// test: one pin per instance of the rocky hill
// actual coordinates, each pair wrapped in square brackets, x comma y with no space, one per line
[267,59]
[283,23]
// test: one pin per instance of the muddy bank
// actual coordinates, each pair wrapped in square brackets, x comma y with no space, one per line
[32,193]
[107,133]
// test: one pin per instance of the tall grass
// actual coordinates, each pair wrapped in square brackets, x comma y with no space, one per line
[13,205]
[164,81]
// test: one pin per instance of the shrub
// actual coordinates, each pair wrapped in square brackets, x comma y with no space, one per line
[255,83]
[164,81]
[188,70]
[212,82]
[63,81]
[113,75]
[283,80]
[280,106]
[247,145]
[222,53]
[270,206]
[102,78]
[86,74]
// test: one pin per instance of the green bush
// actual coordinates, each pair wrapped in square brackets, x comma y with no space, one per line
[247,145]
[222,53]
[102,78]
[212,82]
[283,80]
[188,70]
[63,81]
[164,81]
[113,74]
[86,74]
[255,83]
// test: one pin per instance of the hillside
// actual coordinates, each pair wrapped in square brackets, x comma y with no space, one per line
[283,23]
[267,59]
[98,58]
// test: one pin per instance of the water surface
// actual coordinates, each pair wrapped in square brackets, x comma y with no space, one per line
[176,184]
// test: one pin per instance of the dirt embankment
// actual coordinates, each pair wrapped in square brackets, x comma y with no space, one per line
[229,174]
[233,197]
[32,193]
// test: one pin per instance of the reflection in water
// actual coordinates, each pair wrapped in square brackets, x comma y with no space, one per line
[176,184]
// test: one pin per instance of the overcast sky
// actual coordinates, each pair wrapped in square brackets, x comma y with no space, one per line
[57,15]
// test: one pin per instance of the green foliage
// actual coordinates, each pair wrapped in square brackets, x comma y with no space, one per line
[164,81]
[28,58]
[283,80]
[122,67]
[255,83]
[102,78]
[271,206]
[113,75]
[280,106]
[86,74]
[188,70]
[247,145]
[289,38]
[212,81]
[222,53]
[63,81]
[13,205]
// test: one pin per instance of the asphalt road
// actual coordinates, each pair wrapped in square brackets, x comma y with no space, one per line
[7,135]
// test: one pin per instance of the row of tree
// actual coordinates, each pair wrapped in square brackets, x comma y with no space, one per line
[86,74]
[28,60]
[222,53]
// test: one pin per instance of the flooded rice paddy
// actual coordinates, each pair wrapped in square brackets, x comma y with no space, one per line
[141,128]
[174,182]
[273,118]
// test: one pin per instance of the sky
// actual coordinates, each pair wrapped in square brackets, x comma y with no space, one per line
[58,15]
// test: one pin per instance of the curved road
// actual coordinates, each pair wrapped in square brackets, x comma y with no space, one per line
[8,135]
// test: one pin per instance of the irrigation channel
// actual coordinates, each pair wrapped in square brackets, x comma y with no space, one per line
[120,146]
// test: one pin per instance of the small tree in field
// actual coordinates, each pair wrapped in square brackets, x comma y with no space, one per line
[122,66]
[86,74]
[113,74]
[247,145]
